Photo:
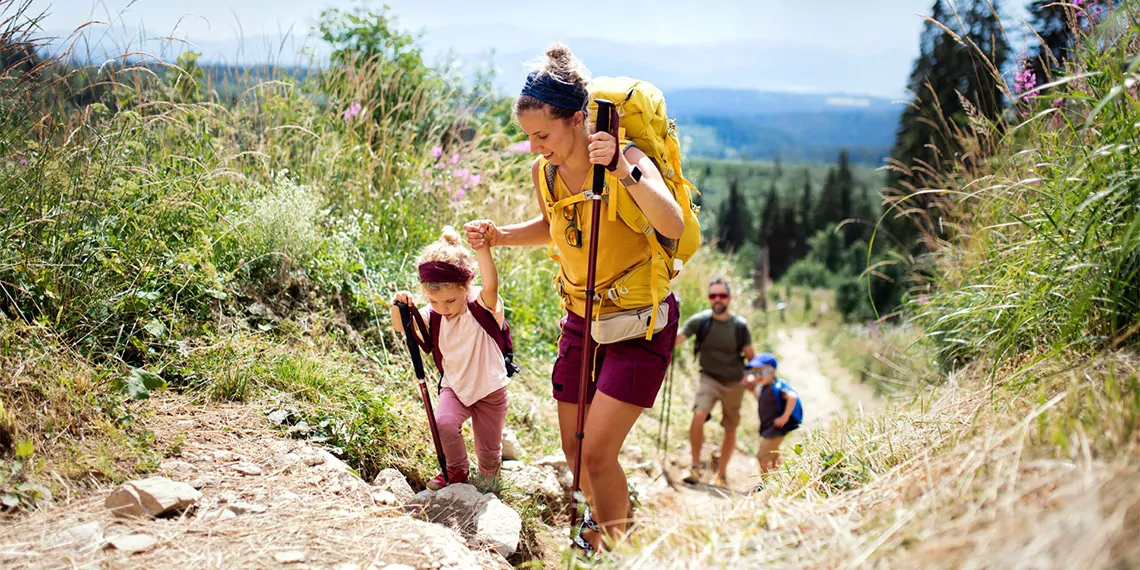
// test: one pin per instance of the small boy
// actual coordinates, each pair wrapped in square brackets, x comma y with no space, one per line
[779,408]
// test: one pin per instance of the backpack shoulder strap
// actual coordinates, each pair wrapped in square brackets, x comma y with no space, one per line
[702,332]
[741,333]
[500,334]
[486,320]
[435,320]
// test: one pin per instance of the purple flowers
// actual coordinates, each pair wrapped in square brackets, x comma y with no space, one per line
[519,147]
[23,161]
[352,111]
[443,174]
[466,180]
[1025,80]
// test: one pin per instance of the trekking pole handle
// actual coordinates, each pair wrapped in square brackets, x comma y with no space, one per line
[410,340]
[604,123]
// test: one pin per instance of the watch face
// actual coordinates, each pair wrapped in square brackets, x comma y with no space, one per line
[635,174]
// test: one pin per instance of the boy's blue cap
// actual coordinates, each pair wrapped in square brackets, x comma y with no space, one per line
[763,359]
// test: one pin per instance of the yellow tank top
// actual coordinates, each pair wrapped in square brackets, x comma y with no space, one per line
[620,249]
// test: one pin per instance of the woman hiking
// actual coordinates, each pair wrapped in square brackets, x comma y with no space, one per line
[552,110]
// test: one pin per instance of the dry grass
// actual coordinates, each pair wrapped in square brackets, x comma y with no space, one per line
[321,512]
[969,476]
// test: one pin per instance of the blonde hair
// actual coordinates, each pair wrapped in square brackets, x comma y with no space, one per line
[560,63]
[449,249]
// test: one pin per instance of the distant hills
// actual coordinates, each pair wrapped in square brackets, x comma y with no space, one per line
[797,127]
[756,108]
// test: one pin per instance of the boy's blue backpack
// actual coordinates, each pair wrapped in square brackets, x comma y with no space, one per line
[778,388]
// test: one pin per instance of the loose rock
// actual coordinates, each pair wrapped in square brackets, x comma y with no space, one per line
[247,468]
[392,481]
[153,497]
[290,556]
[80,537]
[510,445]
[135,542]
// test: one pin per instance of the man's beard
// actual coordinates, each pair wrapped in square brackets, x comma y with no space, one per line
[719,308]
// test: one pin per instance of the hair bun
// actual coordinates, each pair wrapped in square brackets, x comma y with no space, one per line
[450,236]
[562,64]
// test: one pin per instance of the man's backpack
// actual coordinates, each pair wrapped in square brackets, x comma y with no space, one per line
[706,325]
[486,320]
[642,120]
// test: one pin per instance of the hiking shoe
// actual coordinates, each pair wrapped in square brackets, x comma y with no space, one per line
[696,473]
[579,541]
[583,545]
[455,476]
[721,480]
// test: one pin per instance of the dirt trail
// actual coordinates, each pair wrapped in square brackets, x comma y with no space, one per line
[827,391]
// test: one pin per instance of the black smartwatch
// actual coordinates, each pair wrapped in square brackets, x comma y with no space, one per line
[633,178]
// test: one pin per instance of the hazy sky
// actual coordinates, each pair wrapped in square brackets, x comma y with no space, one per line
[878,34]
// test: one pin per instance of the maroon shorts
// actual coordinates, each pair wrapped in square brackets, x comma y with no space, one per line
[630,371]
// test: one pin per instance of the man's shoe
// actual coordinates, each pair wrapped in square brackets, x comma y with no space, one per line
[721,481]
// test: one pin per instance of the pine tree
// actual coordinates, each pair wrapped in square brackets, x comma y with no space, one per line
[777,233]
[734,221]
[926,139]
[826,209]
[768,215]
[785,242]
[805,227]
[844,190]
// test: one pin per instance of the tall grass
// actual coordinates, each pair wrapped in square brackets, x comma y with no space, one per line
[1046,257]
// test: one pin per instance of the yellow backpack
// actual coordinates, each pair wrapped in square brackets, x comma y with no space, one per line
[643,121]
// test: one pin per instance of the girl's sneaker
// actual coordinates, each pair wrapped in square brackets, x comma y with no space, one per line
[454,476]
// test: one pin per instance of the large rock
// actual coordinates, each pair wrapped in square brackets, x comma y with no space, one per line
[540,481]
[474,515]
[510,445]
[392,481]
[152,497]
[498,526]
[561,468]
[420,544]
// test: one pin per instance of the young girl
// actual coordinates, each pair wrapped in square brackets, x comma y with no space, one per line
[474,374]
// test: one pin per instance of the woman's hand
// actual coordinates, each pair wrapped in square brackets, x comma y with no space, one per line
[482,233]
[603,147]
[780,421]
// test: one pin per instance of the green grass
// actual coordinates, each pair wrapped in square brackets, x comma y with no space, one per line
[1046,256]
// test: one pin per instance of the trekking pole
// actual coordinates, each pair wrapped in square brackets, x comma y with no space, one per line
[668,417]
[605,113]
[418,365]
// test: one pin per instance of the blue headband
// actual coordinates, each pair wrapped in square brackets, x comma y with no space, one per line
[551,90]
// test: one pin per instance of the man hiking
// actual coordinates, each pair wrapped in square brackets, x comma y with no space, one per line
[723,344]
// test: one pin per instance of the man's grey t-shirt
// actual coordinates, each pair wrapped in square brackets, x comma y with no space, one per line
[720,357]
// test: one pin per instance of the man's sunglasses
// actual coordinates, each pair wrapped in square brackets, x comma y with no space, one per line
[715,296]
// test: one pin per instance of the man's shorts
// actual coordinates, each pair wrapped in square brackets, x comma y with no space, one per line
[729,394]
[630,371]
